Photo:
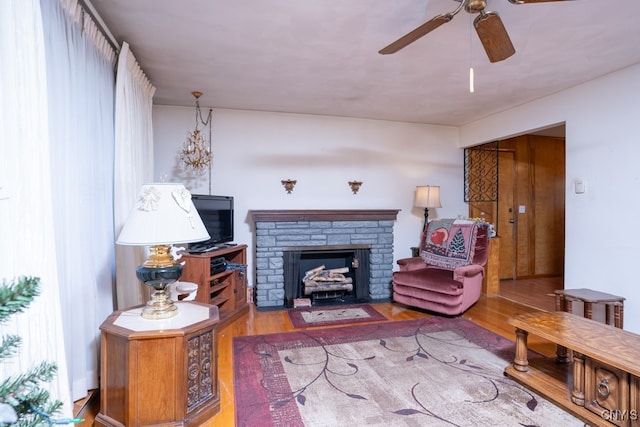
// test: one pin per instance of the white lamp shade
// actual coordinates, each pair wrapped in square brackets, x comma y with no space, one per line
[163,214]
[428,196]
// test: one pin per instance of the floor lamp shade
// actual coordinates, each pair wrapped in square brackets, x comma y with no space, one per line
[428,196]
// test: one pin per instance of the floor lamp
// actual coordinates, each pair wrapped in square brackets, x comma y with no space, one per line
[427,197]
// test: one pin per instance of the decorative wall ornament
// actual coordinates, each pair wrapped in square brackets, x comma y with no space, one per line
[196,150]
[355,186]
[289,184]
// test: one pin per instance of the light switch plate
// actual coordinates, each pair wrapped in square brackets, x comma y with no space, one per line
[580,187]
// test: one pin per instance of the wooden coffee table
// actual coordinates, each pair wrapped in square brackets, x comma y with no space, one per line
[602,384]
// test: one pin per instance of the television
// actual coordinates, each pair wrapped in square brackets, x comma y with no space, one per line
[217,216]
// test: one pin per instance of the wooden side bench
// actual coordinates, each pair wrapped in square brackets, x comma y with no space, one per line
[566,297]
[603,386]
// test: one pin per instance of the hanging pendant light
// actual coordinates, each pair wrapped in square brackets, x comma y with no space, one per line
[196,150]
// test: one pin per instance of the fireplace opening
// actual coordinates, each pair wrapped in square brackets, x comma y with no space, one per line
[319,266]
[322,283]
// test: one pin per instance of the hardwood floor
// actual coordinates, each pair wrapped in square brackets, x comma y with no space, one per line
[538,293]
[491,313]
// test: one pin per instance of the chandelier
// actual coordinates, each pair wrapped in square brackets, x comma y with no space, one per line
[196,150]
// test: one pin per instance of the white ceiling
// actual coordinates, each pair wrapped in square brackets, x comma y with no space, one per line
[321,57]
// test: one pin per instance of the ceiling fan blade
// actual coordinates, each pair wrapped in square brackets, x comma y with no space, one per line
[414,35]
[494,37]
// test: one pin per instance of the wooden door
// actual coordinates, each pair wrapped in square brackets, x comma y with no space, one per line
[506,214]
[538,205]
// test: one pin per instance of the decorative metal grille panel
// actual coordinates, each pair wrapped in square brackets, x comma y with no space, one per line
[481,173]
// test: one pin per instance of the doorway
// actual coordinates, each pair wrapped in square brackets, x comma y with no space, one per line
[528,205]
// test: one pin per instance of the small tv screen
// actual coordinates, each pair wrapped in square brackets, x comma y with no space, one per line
[217,215]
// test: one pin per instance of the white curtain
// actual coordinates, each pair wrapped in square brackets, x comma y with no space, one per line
[80,86]
[133,166]
[60,172]
[27,237]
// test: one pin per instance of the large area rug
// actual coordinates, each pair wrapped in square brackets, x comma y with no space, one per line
[333,315]
[433,371]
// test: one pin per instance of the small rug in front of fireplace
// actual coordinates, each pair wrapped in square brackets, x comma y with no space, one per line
[335,315]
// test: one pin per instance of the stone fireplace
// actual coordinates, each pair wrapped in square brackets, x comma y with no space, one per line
[288,234]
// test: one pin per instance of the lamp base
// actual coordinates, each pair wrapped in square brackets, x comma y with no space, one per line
[160,306]
[426,220]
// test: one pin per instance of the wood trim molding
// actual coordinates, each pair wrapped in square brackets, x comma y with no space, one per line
[325,215]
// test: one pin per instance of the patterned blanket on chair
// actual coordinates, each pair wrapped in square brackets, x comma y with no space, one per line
[449,243]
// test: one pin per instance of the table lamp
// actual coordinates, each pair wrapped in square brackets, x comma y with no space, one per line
[163,215]
[427,196]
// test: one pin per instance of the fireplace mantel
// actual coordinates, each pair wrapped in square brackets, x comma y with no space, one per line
[325,215]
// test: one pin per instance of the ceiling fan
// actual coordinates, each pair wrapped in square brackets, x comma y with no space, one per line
[489,26]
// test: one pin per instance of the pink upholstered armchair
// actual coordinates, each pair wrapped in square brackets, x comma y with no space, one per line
[447,276]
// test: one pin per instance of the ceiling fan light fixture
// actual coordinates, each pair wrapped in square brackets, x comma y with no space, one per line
[475,6]
[489,27]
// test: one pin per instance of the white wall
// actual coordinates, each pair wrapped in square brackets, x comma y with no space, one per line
[254,151]
[603,149]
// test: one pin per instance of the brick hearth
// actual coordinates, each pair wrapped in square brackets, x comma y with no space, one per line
[279,229]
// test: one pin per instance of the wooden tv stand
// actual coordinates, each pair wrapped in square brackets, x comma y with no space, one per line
[227,290]
[603,386]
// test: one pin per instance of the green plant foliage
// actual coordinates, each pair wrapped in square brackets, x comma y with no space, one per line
[17,295]
[23,402]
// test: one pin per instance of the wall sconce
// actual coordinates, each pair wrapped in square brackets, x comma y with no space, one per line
[289,184]
[355,186]
[196,150]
